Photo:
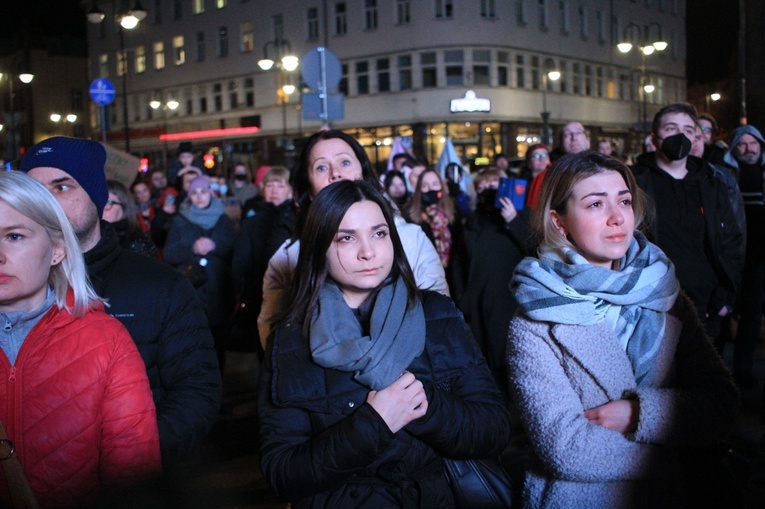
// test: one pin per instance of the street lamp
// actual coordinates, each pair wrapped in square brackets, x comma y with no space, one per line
[70,118]
[171,105]
[714,97]
[286,63]
[546,130]
[643,38]
[25,78]
[126,21]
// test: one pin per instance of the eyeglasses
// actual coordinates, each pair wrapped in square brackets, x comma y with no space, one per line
[111,203]
[706,128]
[540,155]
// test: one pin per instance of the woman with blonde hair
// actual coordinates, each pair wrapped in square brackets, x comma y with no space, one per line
[81,418]
[620,391]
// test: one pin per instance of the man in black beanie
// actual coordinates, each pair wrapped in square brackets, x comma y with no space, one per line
[156,304]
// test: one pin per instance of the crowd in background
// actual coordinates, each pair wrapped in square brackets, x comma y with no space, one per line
[468,254]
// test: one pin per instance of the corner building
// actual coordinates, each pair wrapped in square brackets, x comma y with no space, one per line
[403,63]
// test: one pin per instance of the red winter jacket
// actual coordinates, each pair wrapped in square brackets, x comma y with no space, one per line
[78,407]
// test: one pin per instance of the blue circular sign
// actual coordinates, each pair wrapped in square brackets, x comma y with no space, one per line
[102,91]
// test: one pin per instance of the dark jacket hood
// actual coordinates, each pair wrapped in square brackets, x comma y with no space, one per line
[730,158]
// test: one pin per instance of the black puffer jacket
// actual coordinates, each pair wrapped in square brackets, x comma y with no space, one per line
[323,446]
[164,317]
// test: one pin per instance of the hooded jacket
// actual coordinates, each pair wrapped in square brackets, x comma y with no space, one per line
[163,315]
[78,407]
[730,158]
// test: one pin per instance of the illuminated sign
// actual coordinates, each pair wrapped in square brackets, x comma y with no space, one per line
[469,103]
[212,133]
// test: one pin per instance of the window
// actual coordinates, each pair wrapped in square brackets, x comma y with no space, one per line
[536,83]
[402,12]
[405,72]
[588,80]
[220,4]
[198,6]
[189,107]
[277,27]
[103,65]
[121,59]
[564,76]
[223,42]
[599,81]
[159,55]
[177,9]
[76,99]
[601,22]
[370,14]
[341,20]
[200,46]
[248,39]
[343,86]
[520,11]
[157,11]
[583,27]
[249,92]
[178,51]
[564,27]
[362,77]
[577,85]
[444,9]
[312,24]
[202,93]
[140,59]
[454,69]
[662,5]
[543,21]
[488,10]
[218,96]
[481,62]
[428,66]
[233,94]
[503,64]
[520,71]
[383,74]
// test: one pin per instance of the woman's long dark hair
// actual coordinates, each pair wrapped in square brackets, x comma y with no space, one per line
[300,184]
[322,222]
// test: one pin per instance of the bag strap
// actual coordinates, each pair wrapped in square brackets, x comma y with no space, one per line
[22,496]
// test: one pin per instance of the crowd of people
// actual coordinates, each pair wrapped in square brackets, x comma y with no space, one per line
[401,319]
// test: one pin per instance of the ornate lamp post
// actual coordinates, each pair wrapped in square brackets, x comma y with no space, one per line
[642,37]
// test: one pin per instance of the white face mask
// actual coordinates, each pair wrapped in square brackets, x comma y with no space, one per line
[223,189]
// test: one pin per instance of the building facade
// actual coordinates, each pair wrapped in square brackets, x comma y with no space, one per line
[403,65]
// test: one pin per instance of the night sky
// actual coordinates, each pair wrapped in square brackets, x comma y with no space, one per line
[711,28]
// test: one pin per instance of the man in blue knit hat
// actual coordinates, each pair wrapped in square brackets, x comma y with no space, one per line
[156,304]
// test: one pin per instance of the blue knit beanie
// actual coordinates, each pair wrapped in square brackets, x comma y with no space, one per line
[82,159]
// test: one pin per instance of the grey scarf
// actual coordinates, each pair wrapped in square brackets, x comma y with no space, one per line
[204,218]
[396,335]
[562,287]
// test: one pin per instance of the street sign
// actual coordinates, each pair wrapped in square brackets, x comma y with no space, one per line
[102,91]
[318,60]
[314,107]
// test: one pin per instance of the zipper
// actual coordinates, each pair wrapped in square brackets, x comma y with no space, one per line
[12,376]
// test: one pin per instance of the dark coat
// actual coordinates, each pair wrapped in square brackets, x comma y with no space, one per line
[494,248]
[164,317]
[323,446]
[217,292]
[259,238]
[723,237]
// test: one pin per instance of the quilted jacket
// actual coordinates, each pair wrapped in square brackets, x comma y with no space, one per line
[78,407]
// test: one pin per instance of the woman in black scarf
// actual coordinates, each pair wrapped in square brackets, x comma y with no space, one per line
[369,382]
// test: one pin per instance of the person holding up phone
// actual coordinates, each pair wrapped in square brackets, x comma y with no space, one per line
[495,240]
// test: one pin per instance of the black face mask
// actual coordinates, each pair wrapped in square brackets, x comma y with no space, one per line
[486,198]
[240,178]
[430,198]
[676,147]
